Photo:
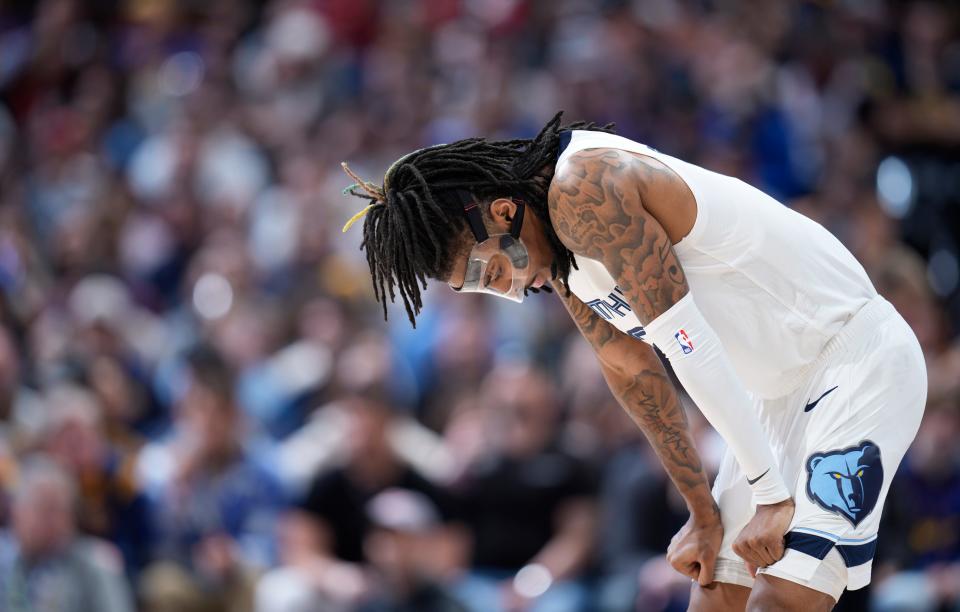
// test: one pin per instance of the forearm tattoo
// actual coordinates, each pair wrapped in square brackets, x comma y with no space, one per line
[638,381]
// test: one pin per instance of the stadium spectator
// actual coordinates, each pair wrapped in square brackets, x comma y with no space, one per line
[409,549]
[215,504]
[323,546]
[110,503]
[528,503]
[45,566]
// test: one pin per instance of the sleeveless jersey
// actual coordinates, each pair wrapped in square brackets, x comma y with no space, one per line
[773,284]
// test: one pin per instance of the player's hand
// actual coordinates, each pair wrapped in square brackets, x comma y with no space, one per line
[693,550]
[761,542]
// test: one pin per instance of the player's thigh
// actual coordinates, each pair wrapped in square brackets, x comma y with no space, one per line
[718,597]
[772,594]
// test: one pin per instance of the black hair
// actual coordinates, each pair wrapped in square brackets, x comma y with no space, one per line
[414,227]
[208,367]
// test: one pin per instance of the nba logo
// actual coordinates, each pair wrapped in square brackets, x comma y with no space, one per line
[684,341]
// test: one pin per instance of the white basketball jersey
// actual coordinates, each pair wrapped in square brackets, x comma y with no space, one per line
[774,285]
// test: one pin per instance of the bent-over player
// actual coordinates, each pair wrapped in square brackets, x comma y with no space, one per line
[814,380]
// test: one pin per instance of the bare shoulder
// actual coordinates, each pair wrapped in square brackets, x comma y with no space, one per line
[618,184]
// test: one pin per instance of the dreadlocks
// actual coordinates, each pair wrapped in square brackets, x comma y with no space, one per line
[413,227]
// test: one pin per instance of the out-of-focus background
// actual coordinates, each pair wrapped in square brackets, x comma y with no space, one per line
[201,408]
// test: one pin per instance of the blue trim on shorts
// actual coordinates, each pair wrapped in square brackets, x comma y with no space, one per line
[809,544]
[857,555]
[818,547]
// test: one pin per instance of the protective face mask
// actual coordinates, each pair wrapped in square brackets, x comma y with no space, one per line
[497,266]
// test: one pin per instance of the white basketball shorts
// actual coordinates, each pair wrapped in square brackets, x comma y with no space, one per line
[839,439]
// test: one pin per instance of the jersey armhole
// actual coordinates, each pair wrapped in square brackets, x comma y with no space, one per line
[690,240]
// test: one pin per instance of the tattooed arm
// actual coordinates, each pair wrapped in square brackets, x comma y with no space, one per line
[638,381]
[597,206]
[602,205]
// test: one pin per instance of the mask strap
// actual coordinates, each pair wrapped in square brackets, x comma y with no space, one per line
[516,224]
[472,212]
[471,209]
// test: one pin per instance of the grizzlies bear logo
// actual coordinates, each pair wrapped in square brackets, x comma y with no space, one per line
[846,481]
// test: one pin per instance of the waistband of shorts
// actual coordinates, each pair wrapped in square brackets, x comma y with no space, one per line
[855,332]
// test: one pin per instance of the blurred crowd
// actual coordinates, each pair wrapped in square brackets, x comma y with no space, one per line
[201,408]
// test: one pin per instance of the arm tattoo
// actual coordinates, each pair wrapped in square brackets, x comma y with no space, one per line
[638,381]
[596,209]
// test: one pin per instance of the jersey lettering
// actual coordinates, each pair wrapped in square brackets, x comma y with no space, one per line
[614,305]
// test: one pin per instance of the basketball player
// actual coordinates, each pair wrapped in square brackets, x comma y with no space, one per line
[814,381]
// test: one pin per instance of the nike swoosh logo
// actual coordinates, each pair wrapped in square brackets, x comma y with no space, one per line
[810,406]
[757,478]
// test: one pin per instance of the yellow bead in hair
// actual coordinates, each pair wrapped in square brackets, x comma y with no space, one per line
[375,193]
[356,218]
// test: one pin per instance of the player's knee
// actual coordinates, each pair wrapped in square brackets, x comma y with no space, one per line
[777,595]
[718,596]
[768,600]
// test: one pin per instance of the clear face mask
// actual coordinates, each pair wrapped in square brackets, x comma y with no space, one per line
[498,264]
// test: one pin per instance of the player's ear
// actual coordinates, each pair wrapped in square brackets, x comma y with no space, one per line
[501,214]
